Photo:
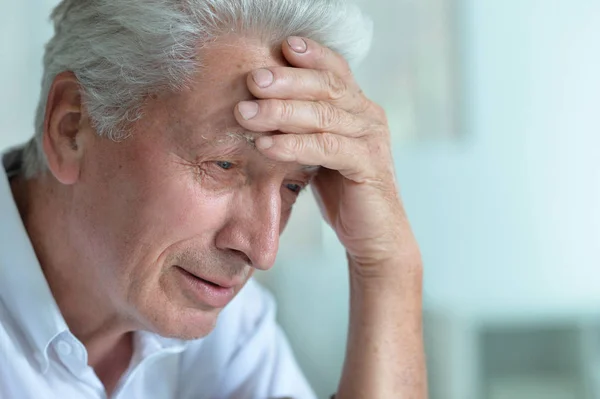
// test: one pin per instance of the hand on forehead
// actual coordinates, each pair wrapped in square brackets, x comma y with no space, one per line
[220,84]
[203,116]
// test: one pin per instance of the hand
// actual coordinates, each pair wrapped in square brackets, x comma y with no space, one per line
[325,119]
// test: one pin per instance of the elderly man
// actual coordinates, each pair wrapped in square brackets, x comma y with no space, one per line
[172,139]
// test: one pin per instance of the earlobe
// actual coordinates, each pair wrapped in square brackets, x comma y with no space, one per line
[62,136]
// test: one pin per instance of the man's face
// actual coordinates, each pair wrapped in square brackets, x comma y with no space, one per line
[173,221]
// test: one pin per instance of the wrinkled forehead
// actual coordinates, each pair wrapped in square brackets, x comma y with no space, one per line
[202,116]
[204,110]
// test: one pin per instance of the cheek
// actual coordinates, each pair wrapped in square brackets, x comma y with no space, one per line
[174,206]
[142,204]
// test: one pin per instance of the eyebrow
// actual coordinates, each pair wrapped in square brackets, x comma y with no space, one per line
[229,137]
[249,139]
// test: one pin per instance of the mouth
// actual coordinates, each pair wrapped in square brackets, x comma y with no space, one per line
[219,283]
[212,292]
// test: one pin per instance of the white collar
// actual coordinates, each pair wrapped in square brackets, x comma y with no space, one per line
[23,287]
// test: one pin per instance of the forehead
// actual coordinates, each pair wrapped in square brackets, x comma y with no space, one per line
[204,110]
[234,56]
[200,119]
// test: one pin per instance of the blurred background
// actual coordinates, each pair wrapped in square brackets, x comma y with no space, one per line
[495,115]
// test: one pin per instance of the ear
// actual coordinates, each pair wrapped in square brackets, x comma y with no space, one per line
[63,134]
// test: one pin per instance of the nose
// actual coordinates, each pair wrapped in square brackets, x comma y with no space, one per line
[253,226]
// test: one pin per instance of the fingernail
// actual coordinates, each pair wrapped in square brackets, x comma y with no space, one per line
[297,44]
[262,77]
[248,109]
[264,142]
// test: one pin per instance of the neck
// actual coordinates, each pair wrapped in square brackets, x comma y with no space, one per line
[44,207]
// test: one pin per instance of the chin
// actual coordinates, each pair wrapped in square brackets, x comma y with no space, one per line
[184,323]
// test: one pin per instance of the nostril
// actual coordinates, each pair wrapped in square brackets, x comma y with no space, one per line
[242,256]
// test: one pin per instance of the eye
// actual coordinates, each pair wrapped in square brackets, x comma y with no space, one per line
[295,188]
[224,164]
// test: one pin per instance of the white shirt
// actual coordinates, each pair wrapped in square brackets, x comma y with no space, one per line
[246,356]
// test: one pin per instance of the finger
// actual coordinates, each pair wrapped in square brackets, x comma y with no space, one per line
[301,117]
[307,85]
[331,151]
[306,53]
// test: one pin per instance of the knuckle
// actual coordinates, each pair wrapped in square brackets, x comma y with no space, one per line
[330,143]
[334,86]
[365,130]
[362,104]
[285,110]
[327,115]
[295,144]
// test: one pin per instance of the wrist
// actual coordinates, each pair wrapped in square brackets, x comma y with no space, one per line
[386,294]
[400,269]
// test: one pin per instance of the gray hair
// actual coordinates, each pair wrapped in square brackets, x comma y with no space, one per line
[122,51]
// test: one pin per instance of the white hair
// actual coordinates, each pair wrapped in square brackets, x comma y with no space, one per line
[122,51]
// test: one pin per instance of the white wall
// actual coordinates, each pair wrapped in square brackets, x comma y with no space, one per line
[24,28]
[509,217]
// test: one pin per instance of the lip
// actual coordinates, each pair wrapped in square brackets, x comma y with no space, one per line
[206,291]
[217,281]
